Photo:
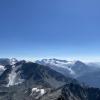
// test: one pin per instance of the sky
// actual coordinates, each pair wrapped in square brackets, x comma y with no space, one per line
[64,29]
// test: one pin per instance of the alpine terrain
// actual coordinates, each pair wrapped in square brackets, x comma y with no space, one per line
[22,80]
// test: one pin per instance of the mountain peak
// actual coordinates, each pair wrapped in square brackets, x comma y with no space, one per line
[13,61]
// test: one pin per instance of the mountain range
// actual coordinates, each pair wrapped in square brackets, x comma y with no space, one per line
[89,73]
[55,80]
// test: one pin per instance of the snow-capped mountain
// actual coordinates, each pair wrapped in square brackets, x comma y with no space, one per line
[13,61]
[71,68]
[61,66]
[75,69]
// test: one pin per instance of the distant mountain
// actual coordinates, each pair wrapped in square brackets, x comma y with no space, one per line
[71,68]
[75,69]
[61,66]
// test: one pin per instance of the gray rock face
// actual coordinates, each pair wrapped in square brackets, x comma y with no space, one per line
[69,91]
[77,92]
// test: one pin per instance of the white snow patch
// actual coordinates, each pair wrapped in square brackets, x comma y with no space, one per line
[40,92]
[11,78]
[2,69]
[14,79]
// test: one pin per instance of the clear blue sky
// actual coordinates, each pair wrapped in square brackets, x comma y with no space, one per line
[50,28]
